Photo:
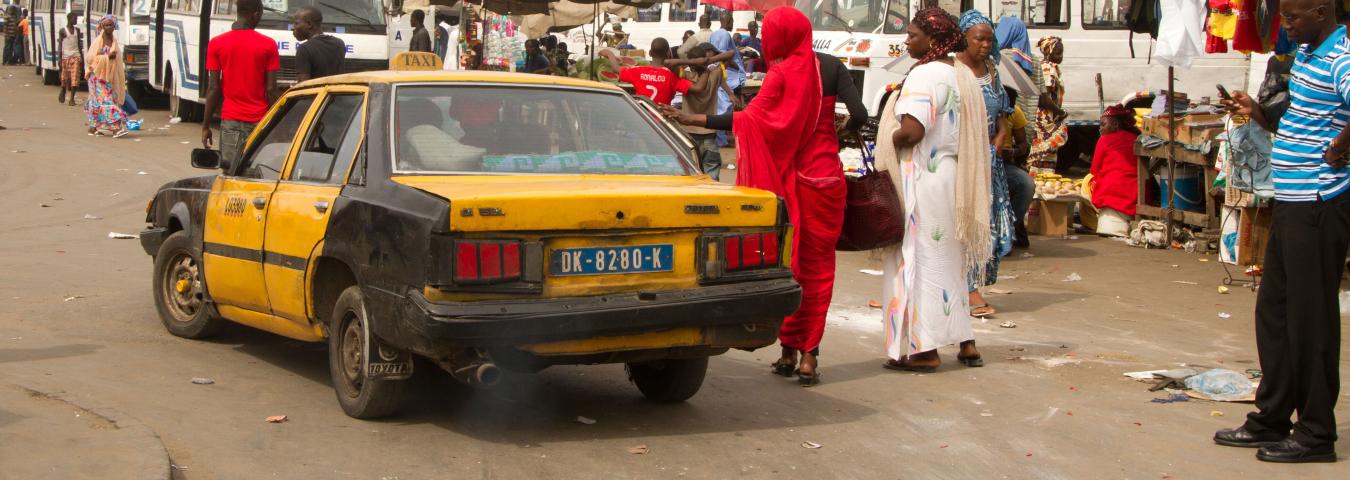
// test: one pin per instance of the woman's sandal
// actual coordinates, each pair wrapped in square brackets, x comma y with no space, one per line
[904,366]
[784,369]
[975,311]
[808,380]
[972,362]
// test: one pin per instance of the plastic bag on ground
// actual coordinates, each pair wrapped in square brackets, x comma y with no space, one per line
[1222,385]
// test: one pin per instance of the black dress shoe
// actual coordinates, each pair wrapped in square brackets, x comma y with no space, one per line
[1290,451]
[1240,437]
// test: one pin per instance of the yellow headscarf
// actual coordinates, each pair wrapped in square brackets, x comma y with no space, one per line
[114,70]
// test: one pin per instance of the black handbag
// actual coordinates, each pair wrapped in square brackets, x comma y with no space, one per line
[873,217]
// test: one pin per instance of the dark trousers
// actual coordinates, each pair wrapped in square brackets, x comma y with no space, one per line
[1298,323]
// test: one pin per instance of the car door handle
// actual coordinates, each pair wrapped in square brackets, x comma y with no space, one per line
[321,206]
[259,202]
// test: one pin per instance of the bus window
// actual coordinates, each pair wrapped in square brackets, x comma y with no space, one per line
[1105,13]
[650,14]
[897,17]
[844,15]
[687,14]
[1039,13]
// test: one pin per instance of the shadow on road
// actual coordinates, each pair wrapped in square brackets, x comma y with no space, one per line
[46,353]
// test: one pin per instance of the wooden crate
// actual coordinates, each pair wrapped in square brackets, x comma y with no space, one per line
[1149,158]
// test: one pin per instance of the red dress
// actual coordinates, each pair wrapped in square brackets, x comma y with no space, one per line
[1115,173]
[787,145]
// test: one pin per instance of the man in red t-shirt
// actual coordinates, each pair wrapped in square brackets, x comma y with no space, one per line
[241,70]
[655,82]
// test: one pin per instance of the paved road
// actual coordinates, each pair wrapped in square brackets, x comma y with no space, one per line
[78,322]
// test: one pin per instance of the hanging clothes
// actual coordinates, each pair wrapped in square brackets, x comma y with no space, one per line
[1219,26]
[1181,36]
[1247,36]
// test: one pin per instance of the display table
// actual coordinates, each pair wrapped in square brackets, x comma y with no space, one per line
[1154,160]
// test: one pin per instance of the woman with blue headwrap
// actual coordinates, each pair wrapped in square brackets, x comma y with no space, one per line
[979,54]
[1011,34]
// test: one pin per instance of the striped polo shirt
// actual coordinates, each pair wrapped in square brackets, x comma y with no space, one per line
[1319,106]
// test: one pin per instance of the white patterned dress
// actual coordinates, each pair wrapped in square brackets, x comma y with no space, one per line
[926,301]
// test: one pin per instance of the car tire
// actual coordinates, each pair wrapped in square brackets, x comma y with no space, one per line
[359,397]
[671,380]
[180,293]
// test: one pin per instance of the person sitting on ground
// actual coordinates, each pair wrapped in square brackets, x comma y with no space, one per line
[1115,173]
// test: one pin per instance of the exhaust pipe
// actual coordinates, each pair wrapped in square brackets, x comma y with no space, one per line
[487,374]
[471,367]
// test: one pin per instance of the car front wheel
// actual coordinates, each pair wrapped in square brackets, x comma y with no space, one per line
[359,396]
[671,380]
[180,294]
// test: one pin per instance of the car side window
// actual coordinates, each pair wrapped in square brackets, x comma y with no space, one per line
[266,157]
[331,141]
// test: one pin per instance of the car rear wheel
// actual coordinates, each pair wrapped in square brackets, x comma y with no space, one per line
[672,380]
[359,396]
[180,295]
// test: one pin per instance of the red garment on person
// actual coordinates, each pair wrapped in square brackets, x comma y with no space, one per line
[1115,173]
[243,58]
[787,146]
[821,198]
[656,83]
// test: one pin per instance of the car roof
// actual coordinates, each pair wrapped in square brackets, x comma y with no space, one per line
[455,76]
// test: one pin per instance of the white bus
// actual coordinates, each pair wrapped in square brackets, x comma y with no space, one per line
[664,20]
[181,29]
[133,32]
[869,36]
[46,19]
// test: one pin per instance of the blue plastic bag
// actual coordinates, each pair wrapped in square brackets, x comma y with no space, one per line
[133,124]
[1222,385]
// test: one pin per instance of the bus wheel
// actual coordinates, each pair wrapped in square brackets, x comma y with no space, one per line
[188,111]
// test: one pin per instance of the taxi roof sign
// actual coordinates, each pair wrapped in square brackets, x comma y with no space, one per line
[416,61]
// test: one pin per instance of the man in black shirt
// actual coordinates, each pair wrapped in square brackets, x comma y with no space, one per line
[421,40]
[319,54]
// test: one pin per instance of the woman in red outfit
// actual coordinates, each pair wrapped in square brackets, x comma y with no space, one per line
[787,145]
[1115,172]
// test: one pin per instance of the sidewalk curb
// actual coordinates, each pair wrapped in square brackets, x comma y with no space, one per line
[154,459]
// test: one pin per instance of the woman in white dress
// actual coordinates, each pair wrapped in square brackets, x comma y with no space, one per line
[941,170]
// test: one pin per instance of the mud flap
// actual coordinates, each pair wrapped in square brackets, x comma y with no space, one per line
[384,362]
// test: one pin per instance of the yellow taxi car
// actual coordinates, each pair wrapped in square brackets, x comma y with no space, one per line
[479,220]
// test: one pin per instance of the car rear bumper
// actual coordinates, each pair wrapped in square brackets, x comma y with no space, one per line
[758,305]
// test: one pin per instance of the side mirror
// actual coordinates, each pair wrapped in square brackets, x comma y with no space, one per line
[205,158]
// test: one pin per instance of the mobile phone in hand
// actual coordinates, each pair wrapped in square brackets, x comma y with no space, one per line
[1223,92]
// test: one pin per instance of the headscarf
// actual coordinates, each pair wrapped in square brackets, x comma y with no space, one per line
[941,27]
[1124,115]
[1048,44]
[775,129]
[1011,33]
[972,18]
[100,66]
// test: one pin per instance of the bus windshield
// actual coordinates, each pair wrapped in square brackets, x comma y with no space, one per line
[335,12]
[844,15]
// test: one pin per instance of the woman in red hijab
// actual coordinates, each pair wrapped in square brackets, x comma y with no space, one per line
[787,145]
[1115,187]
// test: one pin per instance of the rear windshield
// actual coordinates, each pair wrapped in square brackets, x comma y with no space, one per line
[463,129]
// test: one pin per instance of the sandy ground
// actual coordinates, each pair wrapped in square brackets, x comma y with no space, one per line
[78,319]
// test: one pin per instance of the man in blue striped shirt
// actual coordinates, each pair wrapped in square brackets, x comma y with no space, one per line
[1298,325]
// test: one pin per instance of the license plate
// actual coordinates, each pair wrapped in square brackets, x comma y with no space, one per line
[612,260]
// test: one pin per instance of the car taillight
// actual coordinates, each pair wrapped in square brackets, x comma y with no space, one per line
[748,251]
[487,261]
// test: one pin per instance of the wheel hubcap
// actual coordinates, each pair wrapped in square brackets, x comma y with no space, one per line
[183,288]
